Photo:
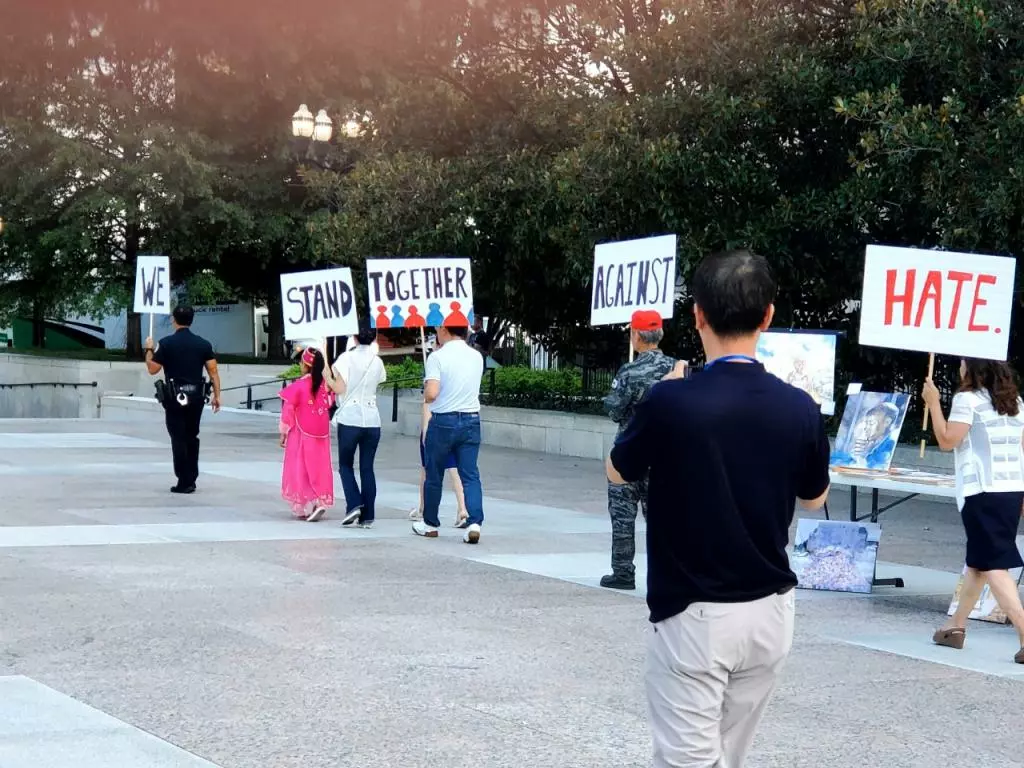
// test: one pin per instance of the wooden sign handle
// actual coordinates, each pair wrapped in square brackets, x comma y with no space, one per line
[632,352]
[924,425]
[423,345]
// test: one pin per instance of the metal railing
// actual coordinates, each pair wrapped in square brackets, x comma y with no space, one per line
[61,384]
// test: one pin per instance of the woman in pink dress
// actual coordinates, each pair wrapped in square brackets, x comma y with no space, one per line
[307,480]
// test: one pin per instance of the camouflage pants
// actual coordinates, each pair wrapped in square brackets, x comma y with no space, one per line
[623,501]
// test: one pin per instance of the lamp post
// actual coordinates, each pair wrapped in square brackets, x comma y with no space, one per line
[311,136]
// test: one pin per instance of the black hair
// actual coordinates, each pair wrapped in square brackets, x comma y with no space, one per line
[459,331]
[366,335]
[316,371]
[184,315]
[734,290]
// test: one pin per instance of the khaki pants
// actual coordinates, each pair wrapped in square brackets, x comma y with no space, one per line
[710,673]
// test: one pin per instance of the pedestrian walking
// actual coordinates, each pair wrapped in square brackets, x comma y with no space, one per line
[359,372]
[729,452]
[985,429]
[183,356]
[452,390]
[307,479]
[450,471]
[629,387]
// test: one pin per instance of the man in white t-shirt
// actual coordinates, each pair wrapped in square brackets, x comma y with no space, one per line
[451,388]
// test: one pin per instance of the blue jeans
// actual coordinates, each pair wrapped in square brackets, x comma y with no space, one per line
[366,439]
[458,434]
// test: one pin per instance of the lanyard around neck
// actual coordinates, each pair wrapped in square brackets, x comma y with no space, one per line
[729,359]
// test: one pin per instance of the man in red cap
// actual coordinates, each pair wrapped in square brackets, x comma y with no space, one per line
[629,388]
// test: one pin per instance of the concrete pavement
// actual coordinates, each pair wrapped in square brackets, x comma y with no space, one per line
[140,629]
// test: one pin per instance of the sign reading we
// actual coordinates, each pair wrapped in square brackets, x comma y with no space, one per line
[153,285]
[937,301]
[632,275]
[319,304]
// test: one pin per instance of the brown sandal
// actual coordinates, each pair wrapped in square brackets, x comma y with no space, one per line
[951,638]
[1019,656]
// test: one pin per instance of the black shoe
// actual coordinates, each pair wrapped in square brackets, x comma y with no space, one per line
[617,582]
[183,488]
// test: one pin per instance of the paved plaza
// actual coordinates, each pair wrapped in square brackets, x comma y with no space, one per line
[143,630]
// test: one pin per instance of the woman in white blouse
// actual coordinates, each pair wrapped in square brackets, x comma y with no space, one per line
[358,374]
[985,429]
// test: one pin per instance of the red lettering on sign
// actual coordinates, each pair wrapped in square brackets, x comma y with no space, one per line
[959,278]
[892,298]
[929,299]
[932,292]
[980,302]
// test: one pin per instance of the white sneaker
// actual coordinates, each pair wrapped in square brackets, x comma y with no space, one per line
[472,534]
[460,521]
[352,516]
[415,513]
[422,529]
[316,515]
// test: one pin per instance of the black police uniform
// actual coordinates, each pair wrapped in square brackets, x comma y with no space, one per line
[183,356]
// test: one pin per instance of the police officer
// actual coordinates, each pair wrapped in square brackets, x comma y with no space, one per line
[631,385]
[182,356]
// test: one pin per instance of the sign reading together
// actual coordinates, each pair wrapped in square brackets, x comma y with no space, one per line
[419,293]
[937,301]
[632,275]
[153,285]
[319,304]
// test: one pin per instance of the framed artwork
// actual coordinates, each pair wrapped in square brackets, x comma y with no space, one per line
[834,555]
[805,359]
[869,431]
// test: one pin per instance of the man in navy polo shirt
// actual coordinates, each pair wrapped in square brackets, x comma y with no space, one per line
[730,452]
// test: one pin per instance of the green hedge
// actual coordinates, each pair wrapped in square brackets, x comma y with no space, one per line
[508,381]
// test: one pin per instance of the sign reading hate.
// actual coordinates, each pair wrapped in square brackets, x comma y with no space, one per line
[937,301]
[632,275]
[153,285]
[419,293]
[319,304]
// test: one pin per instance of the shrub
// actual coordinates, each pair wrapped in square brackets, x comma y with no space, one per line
[526,381]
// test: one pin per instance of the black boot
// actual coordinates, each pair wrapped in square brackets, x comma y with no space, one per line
[614,581]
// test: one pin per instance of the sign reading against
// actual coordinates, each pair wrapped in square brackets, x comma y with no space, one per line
[419,293]
[632,275]
[319,304]
[937,301]
[153,285]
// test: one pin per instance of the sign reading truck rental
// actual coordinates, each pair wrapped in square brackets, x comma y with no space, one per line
[937,301]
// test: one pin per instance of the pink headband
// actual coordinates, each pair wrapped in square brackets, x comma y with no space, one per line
[308,356]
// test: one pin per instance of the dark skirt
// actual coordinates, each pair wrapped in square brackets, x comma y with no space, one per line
[991,520]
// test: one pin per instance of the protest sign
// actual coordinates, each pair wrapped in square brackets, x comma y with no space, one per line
[632,275]
[319,304]
[419,293]
[153,285]
[937,301]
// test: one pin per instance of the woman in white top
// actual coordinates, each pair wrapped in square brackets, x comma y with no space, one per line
[986,429]
[359,372]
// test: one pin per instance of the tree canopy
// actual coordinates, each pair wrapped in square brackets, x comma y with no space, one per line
[516,133]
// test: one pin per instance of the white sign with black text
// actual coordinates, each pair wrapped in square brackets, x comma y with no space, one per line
[632,275]
[153,285]
[419,293]
[319,304]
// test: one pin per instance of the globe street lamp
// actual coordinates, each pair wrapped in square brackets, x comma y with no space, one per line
[311,136]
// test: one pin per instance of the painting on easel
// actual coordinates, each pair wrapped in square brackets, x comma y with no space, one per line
[806,360]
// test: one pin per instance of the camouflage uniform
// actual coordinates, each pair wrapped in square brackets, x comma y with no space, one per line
[631,385]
